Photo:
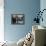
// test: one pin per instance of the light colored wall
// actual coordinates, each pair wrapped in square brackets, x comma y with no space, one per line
[1,20]
[43,6]
[28,8]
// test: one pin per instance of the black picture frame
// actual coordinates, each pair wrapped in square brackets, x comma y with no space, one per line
[17,19]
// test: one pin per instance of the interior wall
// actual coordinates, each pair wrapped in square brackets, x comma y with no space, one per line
[1,20]
[43,6]
[26,7]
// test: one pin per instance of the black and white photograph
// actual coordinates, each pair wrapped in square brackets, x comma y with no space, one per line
[17,19]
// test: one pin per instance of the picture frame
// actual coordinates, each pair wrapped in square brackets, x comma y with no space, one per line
[17,19]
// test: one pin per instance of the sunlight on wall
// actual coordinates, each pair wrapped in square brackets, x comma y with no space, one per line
[1,25]
[1,21]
